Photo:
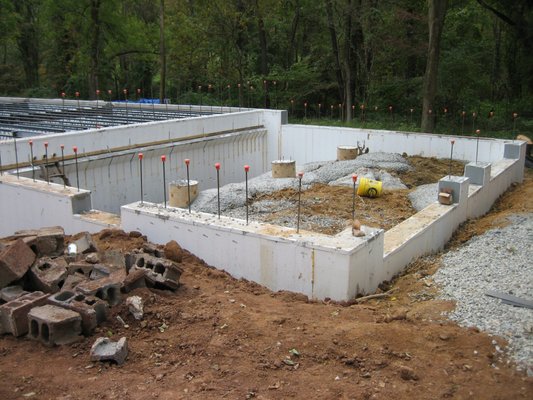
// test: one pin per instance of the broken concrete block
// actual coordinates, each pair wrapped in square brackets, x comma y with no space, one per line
[93,311]
[160,272]
[134,280]
[104,349]
[45,241]
[92,258]
[54,325]
[136,307]
[12,292]
[14,314]
[48,275]
[74,280]
[85,244]
[107,289]
[82,267]
[15,261]
[100,271]
[113,258]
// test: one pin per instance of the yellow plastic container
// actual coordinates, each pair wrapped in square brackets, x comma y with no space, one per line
[369,188]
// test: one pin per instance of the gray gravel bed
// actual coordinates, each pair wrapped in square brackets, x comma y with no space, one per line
[498,260]
[372,164]
[423,196]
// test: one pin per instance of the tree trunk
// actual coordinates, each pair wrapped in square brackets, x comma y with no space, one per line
[347,61]
[27,41]
[292,39]
[94,48]
[162,52]
[436,15]
[335,48]
[264,50]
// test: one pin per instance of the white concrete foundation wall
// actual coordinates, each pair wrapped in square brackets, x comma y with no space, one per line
[114,179]
[317,265]
[120,137]
[430,229]
[25,204]
[307,143]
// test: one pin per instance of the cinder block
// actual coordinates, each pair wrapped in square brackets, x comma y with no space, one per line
[478,173]
[74,280]
[85,244]
[513,150]
[107,289]
[457,186]
[54,325]
[46,241]
[11,293]
[104,349]
[15,261]
[48,275]
[160,272]
[135,279]
[14,314]
[93,311]
[82,267]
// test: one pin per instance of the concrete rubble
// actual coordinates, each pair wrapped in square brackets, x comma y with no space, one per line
[104,349]
[56,295]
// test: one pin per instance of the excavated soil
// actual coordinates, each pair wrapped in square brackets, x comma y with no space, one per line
[328,209]
[221,338]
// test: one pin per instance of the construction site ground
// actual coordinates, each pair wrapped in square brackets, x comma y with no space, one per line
[221,338]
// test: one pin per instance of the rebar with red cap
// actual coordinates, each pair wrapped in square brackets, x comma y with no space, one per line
[300,176]
[46,162]
[451,158]
[62,146]
[187,162]
[163,159]
[141,174]
[75,149]
[246,169]
[354,180]
[16,155]
[30,142]
[477,142]
[217,167]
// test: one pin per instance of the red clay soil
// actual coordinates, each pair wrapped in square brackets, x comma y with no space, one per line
[221,338]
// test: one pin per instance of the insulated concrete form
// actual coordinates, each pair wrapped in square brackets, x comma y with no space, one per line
[320,266]
[317,265]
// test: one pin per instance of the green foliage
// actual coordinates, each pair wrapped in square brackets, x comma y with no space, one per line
[212,46]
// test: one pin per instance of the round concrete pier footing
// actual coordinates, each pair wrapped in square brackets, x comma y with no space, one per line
[283,169]
[347,153]
[179,196]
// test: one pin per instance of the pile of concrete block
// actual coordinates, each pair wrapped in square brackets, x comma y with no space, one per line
[55,292]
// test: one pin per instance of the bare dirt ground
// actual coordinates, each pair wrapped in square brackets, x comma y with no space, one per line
[221,338]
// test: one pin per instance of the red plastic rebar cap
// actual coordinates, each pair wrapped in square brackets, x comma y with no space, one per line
[246,168]
[163,158]
[478,131]
[217,166]
[354,178]
[453,141]
[187,161]
[141,155]
[97,92]
[300,175]
[75,148]
[77,94]
[62,146]
[30,142]
[63,94]
[45,144]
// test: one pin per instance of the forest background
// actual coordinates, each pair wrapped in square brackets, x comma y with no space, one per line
[450,66]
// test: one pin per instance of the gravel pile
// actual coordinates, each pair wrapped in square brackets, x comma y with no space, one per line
[498,260]
[372,165]
[423,196]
